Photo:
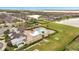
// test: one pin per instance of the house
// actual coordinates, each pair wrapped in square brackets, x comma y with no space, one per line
[2,30]
[18,41]
[17,38]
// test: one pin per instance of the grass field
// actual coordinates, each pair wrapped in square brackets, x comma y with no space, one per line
[74,46]
[57,42]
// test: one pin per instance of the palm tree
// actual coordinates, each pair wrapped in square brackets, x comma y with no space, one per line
[43,34]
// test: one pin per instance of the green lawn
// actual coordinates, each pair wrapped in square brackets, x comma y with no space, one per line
[58,42]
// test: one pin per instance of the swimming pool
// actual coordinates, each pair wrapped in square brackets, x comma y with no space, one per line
[39,31]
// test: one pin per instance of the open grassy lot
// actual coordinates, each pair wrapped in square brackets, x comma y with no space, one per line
[74,46]
[57,42]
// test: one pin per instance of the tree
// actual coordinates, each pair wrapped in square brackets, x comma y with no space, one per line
[7,32]
[2,22]
[16,20]
[43,34]
[15,46]
[9,44]
[7,38]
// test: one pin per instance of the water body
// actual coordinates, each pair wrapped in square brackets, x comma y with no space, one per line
[39,8]
[71,22]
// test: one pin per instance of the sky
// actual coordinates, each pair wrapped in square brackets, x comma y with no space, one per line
[39,8]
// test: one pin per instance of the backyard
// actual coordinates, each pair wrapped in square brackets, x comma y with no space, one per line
[58,41]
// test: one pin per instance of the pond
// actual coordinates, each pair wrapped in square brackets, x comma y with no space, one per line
[71,22]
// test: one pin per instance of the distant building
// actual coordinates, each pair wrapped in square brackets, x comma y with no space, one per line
[34,16]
